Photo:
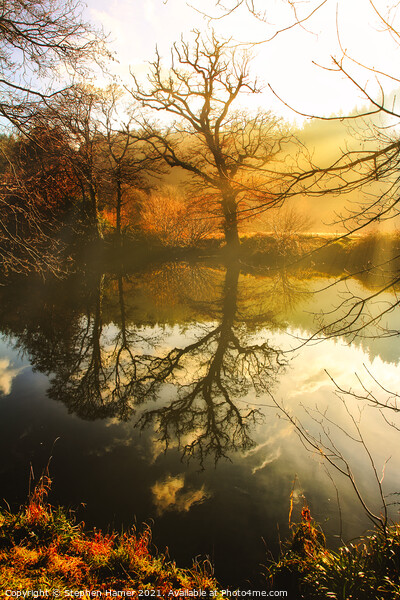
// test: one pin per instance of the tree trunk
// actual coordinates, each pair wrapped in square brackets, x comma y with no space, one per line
[118,211]
[94,214]
[230,222]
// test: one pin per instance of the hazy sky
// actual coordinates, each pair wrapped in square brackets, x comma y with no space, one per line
[287,62]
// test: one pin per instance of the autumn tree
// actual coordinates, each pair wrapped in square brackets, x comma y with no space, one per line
[105,154]
[226,153]
[39,38]
[40,162]
[173,220]
[74,113]
[37,189]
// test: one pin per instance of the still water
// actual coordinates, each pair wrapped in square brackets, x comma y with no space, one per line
[165,396]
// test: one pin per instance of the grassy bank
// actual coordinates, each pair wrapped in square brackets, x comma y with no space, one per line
[327,254]
[42,548]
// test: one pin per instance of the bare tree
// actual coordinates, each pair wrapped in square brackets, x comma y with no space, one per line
[37,38]
[370,167]
[127,166]
[227,153]
[298,13]
[329,436]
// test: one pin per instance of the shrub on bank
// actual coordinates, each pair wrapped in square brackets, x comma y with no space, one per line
[366,570]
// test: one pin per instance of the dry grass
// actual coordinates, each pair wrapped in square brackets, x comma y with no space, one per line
[42,548]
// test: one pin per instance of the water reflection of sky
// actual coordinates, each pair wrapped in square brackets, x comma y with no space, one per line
[308,393]
[122,473]
[12,364]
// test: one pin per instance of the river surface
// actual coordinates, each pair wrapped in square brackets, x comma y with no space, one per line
[168,395]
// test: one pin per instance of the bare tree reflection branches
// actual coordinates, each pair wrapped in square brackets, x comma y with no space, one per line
[195,384]
[219,368]
[83,381]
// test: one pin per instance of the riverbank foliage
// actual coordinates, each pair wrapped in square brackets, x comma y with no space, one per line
[43,548]
[368,569]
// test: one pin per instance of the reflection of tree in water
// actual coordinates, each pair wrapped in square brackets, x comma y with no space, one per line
[176,283]
[84,379]
[268,299]
[101,365]
[60,326]
[211,375]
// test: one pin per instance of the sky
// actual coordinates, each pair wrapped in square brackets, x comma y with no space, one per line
[287,63]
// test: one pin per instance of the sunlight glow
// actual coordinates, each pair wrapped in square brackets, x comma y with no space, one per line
[291,62]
